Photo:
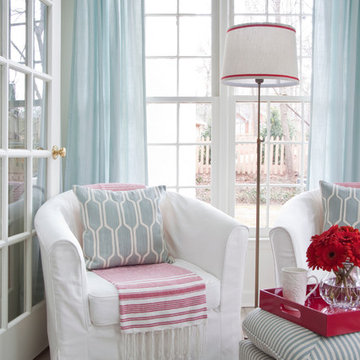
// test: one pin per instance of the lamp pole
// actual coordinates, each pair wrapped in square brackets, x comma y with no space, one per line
[257,224]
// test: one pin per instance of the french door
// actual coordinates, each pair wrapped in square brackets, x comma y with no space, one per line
[30,126]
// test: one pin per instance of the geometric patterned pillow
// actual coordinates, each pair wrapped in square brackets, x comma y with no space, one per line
[122,228]
[341,205]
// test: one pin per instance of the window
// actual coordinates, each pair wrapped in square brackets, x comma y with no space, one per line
[285,120]
[179,90]
[196,127]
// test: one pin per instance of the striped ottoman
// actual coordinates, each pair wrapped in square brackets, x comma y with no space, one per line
[273,337]
[248,351]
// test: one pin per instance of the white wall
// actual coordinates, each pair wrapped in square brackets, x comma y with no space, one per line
[266,271]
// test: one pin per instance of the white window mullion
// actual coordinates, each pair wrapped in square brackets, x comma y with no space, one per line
[28,241]
[49,3]
[19,67]
[215,45]
[29,33]
[224,128]
[5,29]
[177,145]
[223,156]
[50,42]
[303,159]
[4,182]
[215,108]
[53,92]
[272,98]
[5,249]
[215,151]
[28,170]
[177,151]
[177,48]
[4,100]
[229,13]
[269,162]
[181,99]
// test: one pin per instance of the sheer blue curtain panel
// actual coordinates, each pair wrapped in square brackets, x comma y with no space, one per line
[107,109]
[335,122]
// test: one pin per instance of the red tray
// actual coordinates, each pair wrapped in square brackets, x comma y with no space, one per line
[316,315]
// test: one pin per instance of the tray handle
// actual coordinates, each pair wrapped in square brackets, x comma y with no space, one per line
[289,310]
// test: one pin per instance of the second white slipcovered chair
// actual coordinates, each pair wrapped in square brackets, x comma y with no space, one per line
[299,219]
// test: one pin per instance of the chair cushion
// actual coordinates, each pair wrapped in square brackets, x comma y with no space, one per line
[341,205]
[285,340]
[122,228]
[104,298]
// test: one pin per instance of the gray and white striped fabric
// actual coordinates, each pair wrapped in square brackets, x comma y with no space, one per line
[285,340]
[248,351]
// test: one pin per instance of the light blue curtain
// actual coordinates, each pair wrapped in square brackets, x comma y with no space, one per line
[107,115]
[335,122]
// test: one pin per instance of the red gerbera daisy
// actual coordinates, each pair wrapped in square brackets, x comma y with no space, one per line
[332,255]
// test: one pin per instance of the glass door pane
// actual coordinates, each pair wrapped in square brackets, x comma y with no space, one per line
[40,36]
[16,286]
[38,292]
[17,31]
[38,198]
[17,110]
[39,119]
[38,184]
[17,195]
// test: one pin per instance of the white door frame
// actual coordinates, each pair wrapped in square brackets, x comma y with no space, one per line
[25,336]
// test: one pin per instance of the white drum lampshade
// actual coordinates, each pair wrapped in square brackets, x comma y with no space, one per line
[260,51]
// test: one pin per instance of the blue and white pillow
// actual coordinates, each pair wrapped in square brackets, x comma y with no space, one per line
[341,205]
[123,227]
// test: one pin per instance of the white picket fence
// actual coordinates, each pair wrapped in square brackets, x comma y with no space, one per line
[245,157]
[203,157]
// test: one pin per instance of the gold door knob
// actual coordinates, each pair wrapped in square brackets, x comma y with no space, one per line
[55,151]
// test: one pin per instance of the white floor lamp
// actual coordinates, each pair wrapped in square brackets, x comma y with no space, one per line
[260,54]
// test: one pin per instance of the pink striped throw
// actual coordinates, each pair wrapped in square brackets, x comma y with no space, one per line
[157,296]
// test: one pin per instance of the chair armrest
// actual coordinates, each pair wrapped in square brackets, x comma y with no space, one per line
[232,285]
[217,243]
[299,219]
[199,233]
[64,272]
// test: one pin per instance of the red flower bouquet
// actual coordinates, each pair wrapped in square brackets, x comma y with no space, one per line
[329,250]
[337,250]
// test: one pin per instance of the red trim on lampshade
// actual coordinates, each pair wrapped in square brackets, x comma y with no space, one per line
[259,76]
[263,25]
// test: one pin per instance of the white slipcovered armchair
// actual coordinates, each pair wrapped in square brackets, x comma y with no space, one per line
[300,218]
[82,308]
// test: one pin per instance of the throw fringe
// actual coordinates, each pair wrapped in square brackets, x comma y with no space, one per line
[184,343]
